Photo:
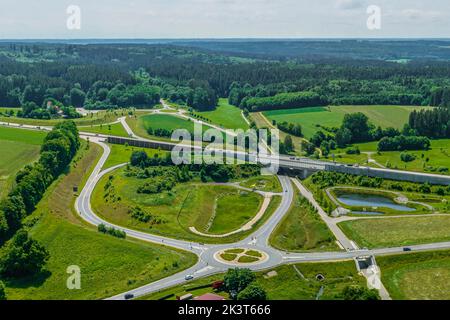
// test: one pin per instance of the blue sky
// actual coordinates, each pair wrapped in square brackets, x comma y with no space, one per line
[223,18]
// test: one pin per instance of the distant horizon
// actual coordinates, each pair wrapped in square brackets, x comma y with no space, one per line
[231,39]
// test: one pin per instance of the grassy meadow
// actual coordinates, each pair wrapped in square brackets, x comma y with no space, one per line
[108,265]
[18,148]
[311,119]
[213,209]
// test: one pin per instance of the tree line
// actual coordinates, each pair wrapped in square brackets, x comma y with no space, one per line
[99,76]
[22,255]
[433,123]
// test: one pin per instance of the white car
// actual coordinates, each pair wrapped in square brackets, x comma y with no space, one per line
[188,277]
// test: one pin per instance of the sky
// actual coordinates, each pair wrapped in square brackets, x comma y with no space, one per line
[149,19]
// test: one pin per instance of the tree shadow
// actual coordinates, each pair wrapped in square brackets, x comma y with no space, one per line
[34,281]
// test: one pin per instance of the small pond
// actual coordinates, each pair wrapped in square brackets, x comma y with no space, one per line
[371,201]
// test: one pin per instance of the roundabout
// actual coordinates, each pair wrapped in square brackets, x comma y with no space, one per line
[254,252]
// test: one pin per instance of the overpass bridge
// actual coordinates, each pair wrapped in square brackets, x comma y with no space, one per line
[302,167]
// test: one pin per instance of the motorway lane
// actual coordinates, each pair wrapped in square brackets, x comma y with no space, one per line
[207,265]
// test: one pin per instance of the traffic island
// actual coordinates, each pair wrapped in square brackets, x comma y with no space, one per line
[239,257]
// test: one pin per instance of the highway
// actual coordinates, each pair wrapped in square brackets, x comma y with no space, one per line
[207,264]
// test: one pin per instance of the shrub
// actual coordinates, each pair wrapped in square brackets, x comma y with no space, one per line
[111,231]
[407,157]
[359,293]
[2,291]
[23,256]
[253,292]
[354,150]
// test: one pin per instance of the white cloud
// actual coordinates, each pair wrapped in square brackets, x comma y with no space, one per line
[224,18]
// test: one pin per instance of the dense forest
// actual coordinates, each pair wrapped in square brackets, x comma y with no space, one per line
[47,78]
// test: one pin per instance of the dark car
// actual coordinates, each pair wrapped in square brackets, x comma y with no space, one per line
[129,296]
[407,249]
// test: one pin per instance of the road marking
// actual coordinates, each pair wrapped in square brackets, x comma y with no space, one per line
[205,269]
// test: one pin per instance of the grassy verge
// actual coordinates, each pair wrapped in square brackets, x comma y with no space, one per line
[108,265]
[395,232]
[262,122]
[302,229]
[417,276]
[291,282]
[115,129]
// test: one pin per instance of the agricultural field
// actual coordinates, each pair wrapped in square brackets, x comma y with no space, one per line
[311,119]
[289,282]
[262,122]
[210,208]
[109,265]
[226,116]
[302,229]
[17,148]
[397,232]
[115,129]
[417,276]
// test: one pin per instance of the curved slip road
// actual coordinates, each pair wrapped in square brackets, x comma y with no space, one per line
[206,264]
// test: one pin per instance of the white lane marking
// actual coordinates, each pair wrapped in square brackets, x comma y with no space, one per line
[205,269]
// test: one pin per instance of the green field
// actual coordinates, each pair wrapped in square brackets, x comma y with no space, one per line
[417,276]
[435,160]
[214,209]
[262,122]
[288,284]
[302,229]
[122,154]
[312,118]
[233,210]
[140,125]
[108,265]
[397,232]
[226,116]
[18,148]
[115,129]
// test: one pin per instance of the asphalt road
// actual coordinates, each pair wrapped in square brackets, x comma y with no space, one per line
[207,264]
